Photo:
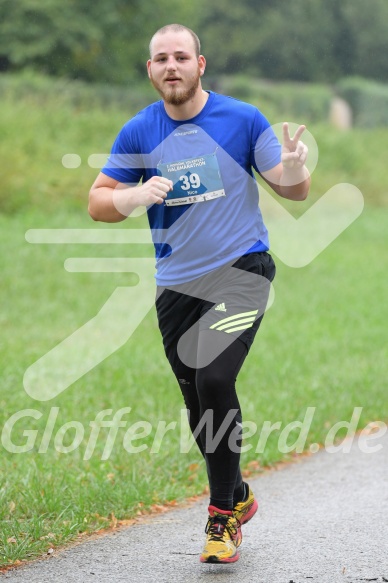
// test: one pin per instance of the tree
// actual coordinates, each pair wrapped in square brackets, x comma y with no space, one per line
[369,25]
[314,40]
[96,40]
[88,39]
[46,34]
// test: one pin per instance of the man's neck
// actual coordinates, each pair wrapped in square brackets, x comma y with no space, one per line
[189,109]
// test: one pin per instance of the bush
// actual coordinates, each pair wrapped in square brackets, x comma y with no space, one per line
[299,102]
[42,89]
[368,100]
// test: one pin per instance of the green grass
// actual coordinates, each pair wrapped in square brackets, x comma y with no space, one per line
[323,344]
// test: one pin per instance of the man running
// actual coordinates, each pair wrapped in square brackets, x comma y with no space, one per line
[189,159]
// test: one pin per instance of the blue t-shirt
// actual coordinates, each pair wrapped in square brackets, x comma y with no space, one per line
[210,159]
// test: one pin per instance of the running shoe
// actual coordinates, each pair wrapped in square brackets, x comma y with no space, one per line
[223,537]
[246,509]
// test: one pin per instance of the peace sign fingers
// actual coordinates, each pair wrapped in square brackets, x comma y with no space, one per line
[294,151]
[291,143]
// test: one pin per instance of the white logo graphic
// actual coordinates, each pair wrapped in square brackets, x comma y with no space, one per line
[296,242]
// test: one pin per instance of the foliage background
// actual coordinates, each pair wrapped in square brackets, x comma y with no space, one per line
[318,40]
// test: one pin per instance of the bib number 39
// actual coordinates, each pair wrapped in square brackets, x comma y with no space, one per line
[191,181]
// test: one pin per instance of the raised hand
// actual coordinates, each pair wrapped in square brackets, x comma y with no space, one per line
[294,151]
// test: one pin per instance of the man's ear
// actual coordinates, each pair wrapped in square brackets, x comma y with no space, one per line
[201,64]
[149,68]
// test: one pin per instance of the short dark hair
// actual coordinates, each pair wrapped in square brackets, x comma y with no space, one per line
[179,28]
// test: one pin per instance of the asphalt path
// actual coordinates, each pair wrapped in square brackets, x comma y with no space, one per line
[323,519]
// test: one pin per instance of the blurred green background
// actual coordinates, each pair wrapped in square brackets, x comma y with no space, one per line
[71,74]
[319,40]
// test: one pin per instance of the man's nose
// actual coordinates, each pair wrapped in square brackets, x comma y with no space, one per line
[171,63]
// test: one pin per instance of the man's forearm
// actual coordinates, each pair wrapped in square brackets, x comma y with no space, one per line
[106,203]
[295,183]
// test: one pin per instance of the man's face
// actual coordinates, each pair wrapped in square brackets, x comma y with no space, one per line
[174,68]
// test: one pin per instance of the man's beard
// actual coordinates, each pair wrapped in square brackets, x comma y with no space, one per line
[177,96]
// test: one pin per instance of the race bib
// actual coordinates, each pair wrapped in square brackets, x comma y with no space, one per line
[194,180]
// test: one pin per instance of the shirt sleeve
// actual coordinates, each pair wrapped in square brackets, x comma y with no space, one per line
[125,162]
[265,147]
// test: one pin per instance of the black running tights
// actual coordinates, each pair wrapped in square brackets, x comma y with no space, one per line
[210,394]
